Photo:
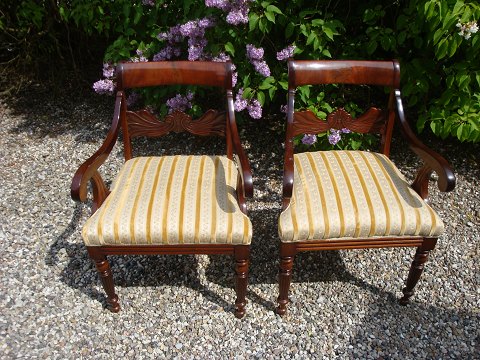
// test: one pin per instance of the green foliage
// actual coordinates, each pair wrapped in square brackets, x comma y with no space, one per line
[439,58]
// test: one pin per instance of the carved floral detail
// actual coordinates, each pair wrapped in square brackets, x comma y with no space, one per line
[372,121]
[144,123]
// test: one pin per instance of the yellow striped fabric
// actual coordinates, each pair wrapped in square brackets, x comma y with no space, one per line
[353,194]
[171,200]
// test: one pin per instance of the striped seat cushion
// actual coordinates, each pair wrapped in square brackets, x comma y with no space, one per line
[171,200]
[353,194]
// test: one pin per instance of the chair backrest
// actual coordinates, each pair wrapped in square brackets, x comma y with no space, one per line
[317,72]
[163,73]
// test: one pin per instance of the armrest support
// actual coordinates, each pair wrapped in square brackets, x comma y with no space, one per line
[433,161]
[88,171]
[288,165]
[243,164]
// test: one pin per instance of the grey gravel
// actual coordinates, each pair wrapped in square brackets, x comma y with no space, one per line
[344,303]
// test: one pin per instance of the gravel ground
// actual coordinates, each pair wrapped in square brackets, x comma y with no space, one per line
[343,302]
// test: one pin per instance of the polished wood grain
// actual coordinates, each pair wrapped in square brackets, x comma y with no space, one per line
[372,121]
[375,120]
[144,123]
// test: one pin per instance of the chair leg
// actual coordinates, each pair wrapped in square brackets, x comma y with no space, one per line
[105,273]
[416,269]
[287,254]
[242,254]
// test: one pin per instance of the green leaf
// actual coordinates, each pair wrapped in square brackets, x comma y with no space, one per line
[437,36]
[429,9]
[270,16]
[229,48]
[442,49]
[460,132]
[318,22]
[246,81]
[326,53]
[289,29]
[463,82]
[329,32]
[253,21]
[311,37]
[138,15]
[262,24]
[265,85]
[271,92]
[283,84]
[453,45]
[371,47]
[247,93]
[261,97]
[273,8]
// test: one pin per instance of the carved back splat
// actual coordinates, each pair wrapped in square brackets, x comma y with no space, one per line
[372,121]
[144,123]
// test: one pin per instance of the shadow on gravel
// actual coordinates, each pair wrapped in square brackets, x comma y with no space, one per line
[418,331]
[128,271]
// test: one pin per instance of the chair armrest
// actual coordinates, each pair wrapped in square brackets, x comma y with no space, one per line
[88,170]
[433,161]
[243,164]
[288,164]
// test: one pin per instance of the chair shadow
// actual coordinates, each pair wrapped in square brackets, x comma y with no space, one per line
[314,266]
[128,271]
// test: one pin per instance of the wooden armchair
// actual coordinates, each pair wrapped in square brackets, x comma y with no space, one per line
[169,204]
[355,199]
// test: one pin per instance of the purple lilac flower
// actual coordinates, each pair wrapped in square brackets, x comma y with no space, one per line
[105,86]
[254,53]
[285,53]
[334,136]
[132,99]
[108,70]
[219,4]
[148,2]
[261,67]
[195,48]
[234,78]
[222,57]
[180,102]
[255,109]
[346,131]
[165,54]
[238,16]
[237,10]
[240,103]
[309,139]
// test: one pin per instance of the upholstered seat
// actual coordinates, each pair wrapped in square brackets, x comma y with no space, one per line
[380,202]
[196,205]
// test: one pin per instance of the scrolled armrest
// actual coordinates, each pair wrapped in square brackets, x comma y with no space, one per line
[243,164]
[433,161]
[88,171]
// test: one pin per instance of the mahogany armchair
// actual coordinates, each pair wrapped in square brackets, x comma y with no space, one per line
[170,204]
[355,199]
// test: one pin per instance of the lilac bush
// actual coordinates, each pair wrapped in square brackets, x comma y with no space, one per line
[259,36]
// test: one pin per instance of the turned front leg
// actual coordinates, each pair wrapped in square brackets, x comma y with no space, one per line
[106,277]
[416,269]
[241,279]
[287,254]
